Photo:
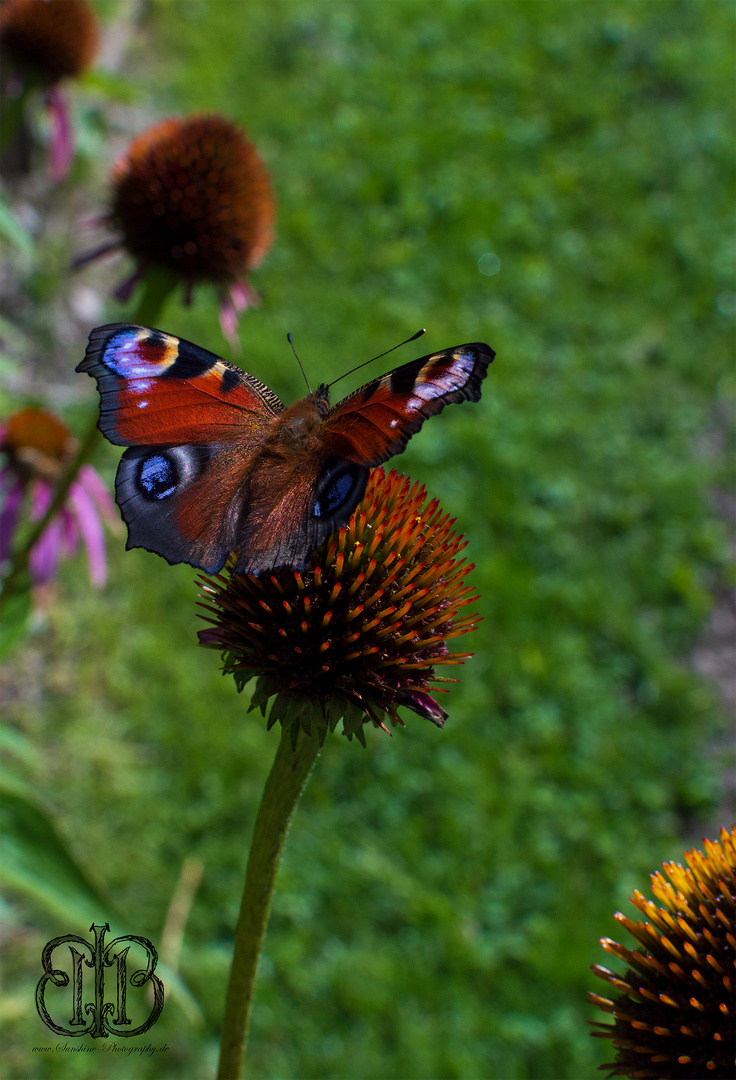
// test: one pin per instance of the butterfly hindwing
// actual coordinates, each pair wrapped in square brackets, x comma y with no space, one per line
[376,421]
[294,506]
[193,423]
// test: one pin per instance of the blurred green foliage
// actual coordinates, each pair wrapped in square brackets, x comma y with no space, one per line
[552,178]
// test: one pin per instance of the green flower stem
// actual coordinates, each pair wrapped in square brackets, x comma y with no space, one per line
[279,801]
[19,561]
[158,284]
[12,113]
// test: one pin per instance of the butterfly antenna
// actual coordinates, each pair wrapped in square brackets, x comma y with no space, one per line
[412,338]
[289,339]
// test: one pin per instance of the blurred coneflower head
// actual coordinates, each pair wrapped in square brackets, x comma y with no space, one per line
[674,1013]
[44,42]
[37,446]
[359,633]
[191,197]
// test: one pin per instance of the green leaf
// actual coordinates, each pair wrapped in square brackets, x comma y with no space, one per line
[36,859]
[15,611]
[13,231]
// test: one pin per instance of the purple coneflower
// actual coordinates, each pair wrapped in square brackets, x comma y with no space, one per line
[45,42]
[37,446]
[360,632]
[674,1014]
[192,198]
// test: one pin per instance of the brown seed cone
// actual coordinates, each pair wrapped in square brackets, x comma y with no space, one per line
[360,632]
[59,38]
[674,1016]
[193,196]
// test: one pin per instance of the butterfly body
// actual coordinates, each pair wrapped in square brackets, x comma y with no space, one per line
[216,463]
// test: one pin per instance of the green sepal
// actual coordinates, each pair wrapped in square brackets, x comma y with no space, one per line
[241,678]
[352,720]
[281,710]
[335,709]
[262,692]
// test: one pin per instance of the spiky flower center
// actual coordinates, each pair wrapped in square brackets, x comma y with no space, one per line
[193,196]
[58,38]
[674,1016]
[37,442]
[367,622]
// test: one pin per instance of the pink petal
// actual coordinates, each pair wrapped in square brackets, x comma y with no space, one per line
[228,318]
[124,291]
[239,296]
[95,486]
[423,705]
[12,501]
[61,144]
[44,558]
[94,221]
[69,532]
[90,527]
[244,295]
[41,494]
[95,253]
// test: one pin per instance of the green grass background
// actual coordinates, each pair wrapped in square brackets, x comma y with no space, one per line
[442,892]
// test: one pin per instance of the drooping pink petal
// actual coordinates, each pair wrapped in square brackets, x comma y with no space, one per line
[12,490]
[95,253]
[423,705]
[61,143]
[95,486]
[93,221]
[41,494]
[228,318]
[44,558]
[239,296]
[242,295]
[69,532]
[89,524]
[124,291]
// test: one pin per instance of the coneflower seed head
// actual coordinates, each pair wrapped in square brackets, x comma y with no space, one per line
[192,196]
[674,1015]
[361,630]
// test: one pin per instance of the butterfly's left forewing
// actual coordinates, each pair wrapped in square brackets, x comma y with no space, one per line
[157,389]
[193,424]
[376,421]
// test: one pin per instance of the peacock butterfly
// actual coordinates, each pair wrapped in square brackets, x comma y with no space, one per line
[217,463]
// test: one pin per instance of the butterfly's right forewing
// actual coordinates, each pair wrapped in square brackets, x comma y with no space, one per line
[376,421]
